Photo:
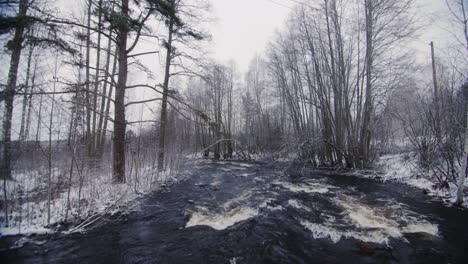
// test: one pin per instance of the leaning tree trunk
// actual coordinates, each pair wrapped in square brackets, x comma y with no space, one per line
[119,104]
[163,119]
[10,92]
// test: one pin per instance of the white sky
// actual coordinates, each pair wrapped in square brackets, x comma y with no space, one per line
[244,27]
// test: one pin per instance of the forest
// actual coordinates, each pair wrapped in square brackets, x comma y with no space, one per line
[346,130]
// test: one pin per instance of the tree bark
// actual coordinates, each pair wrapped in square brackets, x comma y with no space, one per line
[119,104]
[368,108]
[28,116]
[10,90]
[108,103]
[87,80]
[100,131]
[25,96]
[96,81]
[163,118]
[463,168]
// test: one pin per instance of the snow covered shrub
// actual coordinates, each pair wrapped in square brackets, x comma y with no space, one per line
[434,128]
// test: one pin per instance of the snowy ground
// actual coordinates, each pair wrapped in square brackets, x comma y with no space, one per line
[402,168]
[98,196]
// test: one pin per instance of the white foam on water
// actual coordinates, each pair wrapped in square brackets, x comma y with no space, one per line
[275,208]
[266,205]
[216,182]
[244,196]
[298,205]
[322,231]
[335,235]
[307,188]
[246,174]
[247,165]
[422,227]
[370,224]
[221,221]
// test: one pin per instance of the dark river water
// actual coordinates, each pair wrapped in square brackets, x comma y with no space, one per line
[233,212]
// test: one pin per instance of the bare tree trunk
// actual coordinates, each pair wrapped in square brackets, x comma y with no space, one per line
[39,120]
[229,148]
[463,168]
[163,119]
[49,156]
[28,117]
[87,80]
[108,103]
[437,116]
[368,109]
[96,80]
[73,138]
[10,92]
[100,131]
[119,104]
[25,96]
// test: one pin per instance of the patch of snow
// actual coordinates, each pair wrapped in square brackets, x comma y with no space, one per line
[11,231]
[98,196]
[402,168]
[221,221]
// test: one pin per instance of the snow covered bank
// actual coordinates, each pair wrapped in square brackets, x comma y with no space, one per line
[402,168]
[91,194]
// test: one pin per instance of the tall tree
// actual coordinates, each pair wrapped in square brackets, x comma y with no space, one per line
[178,31]
[15,46]
[163,118]
[119,103]
[124,25]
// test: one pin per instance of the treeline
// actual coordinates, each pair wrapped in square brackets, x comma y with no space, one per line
[328,90]
[337,86]
[91,59]
[318,90]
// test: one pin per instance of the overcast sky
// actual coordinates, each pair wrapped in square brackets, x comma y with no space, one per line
[244,27]
[241,28]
